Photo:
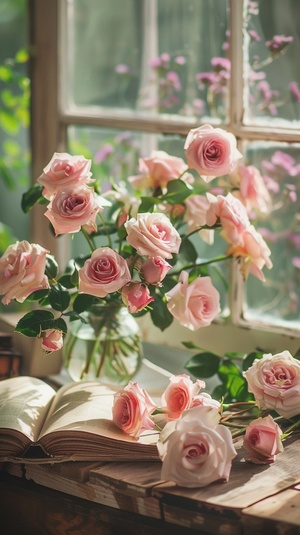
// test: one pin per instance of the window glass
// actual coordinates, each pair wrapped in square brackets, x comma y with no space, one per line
[272,48]
[164,56]
[277,219]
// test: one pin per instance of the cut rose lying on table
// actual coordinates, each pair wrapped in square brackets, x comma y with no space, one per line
[195,443]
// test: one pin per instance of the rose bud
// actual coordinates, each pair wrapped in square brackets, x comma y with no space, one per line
[155,269]
[51,340]
[136,296]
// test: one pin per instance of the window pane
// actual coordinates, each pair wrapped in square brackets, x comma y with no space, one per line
[273,49]
[278,300]
[151,55]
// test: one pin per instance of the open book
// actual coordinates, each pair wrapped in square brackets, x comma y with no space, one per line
[75,423]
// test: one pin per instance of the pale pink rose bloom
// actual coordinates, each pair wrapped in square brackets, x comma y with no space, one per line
[22,271]
[262,440]
[196,450]
[64,171]
[51,340]
[194,305]
[136,296]
[155,269]
[105,272]
[73,208]
[253,192]
[274,381]
[152,234]
[212,152]
[253,253]
[132,409]
[196,208]
[231,214]
[179,395]
[204,399]
[158,169]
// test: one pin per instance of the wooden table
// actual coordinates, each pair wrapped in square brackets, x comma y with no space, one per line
[129,498]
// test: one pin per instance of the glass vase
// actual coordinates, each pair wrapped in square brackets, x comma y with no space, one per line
[107,347]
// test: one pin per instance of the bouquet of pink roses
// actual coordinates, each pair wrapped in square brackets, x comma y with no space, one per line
[147,260]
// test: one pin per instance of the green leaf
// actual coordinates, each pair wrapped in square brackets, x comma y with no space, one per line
[34,322]
[188,251]
[82,302]
[22,56]
[248,361]
[12,148]
[5,74]
[8,98]
[235,384]
[59,324]
[191,345]
[9,122]
[51,267]
[235,355]
[177,191]
[66,281]
[31,197]
[219,392]
[160,315]
[203,365]
[37,296]
[147,204]
[198,271]
[7,176]
[59,298]
[227,369]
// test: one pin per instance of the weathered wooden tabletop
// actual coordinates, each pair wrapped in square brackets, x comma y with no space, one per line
[264,498]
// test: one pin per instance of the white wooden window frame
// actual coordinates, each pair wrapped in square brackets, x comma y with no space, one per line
[51,118]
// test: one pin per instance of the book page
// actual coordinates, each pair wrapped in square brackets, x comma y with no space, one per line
[87,407]
[24,403]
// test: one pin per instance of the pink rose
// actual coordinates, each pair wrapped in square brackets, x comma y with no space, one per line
[73,208]
[153,235]
[132,409]
[196,450]
[64,171]
[253,192]
[275,382]
[262,440]
[22,271]
[196,208]
[179,395]
[231,214]
[194,305]
[105,272]
[205,400]
[158,169]
[51,340]
[253,253]
[155,269]
[212,152]
[136,296]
